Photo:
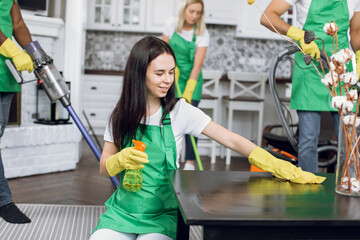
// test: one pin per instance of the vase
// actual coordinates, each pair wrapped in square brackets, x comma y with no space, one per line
[347,168]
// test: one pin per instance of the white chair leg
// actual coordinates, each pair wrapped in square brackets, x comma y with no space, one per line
[213,152]
[230,121]
[223,120]
[182,152]
[213,143]
[260,124]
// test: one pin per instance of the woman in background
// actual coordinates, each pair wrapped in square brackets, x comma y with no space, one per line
[189,39]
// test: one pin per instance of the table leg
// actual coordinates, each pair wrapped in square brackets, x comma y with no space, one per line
[182,228]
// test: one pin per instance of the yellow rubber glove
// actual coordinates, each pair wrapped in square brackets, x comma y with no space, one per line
[189,89]
[357,57]
[177,74]
[297,34]
[21,59]
[128,158]
[250,1]
[280,168]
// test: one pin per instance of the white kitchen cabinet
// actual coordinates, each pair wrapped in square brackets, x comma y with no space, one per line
[157,12]
[100,94]
[222,12]
[116,15]
[249,21]
[130,15]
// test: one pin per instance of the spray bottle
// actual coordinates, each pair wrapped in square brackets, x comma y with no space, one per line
[133,177]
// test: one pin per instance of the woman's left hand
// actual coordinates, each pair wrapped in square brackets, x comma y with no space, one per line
[189,89]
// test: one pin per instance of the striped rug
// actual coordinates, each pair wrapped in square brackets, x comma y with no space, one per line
[60,222]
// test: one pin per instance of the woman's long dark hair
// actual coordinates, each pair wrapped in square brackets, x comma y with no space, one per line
[131,107]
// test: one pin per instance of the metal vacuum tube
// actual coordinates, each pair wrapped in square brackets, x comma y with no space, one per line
[44,69]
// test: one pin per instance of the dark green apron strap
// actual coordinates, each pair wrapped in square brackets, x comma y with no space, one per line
[193,46]
[170,144]
[194,35]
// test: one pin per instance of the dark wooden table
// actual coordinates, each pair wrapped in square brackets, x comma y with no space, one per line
[248,205]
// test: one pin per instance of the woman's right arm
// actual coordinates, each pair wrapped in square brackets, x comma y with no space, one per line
[109,150]
[229,139]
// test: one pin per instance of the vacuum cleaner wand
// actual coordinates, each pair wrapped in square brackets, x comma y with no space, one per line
[55,88]
[45,70]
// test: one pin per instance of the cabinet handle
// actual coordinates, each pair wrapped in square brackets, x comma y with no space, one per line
[93,88]
[93,114]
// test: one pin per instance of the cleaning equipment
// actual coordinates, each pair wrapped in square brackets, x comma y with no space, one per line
[191,137]
[133,177]
[289,143]
[55,88]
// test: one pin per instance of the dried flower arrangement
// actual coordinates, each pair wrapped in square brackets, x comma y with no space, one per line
[342,86]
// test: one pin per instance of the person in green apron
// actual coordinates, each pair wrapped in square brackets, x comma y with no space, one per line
[11,23]
[149,111]
[189,39]
[309,96]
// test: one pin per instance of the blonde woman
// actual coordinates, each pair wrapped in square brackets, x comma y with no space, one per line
[189,39]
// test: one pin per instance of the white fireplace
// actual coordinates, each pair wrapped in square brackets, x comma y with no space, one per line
[32,148]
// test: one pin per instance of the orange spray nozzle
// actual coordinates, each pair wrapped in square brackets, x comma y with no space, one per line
[139,145]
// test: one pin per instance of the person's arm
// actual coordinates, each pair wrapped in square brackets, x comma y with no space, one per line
[355,31]
[9,49]
[258,156]
[192,81]
[229,139]
[108,150]
[355,38]
[2,37]
[20,30]
[198,62]
[274,10]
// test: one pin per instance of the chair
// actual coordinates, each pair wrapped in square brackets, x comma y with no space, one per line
[210,102]
[247,92]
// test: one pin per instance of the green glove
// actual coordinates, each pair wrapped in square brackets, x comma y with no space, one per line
[357,57]
[297,34]
[280,168]
[189,89]
[128,158]
[21,60]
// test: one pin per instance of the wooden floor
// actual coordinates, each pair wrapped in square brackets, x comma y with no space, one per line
[84,185]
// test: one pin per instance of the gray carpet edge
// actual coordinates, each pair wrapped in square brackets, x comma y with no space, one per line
[61,221]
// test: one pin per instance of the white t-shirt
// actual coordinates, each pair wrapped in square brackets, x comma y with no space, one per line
[201,40]
[302,9]
[185,119]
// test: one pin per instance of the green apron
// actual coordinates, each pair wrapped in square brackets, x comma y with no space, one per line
[185,54]
[153,209]
[7,81]
[308,92]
